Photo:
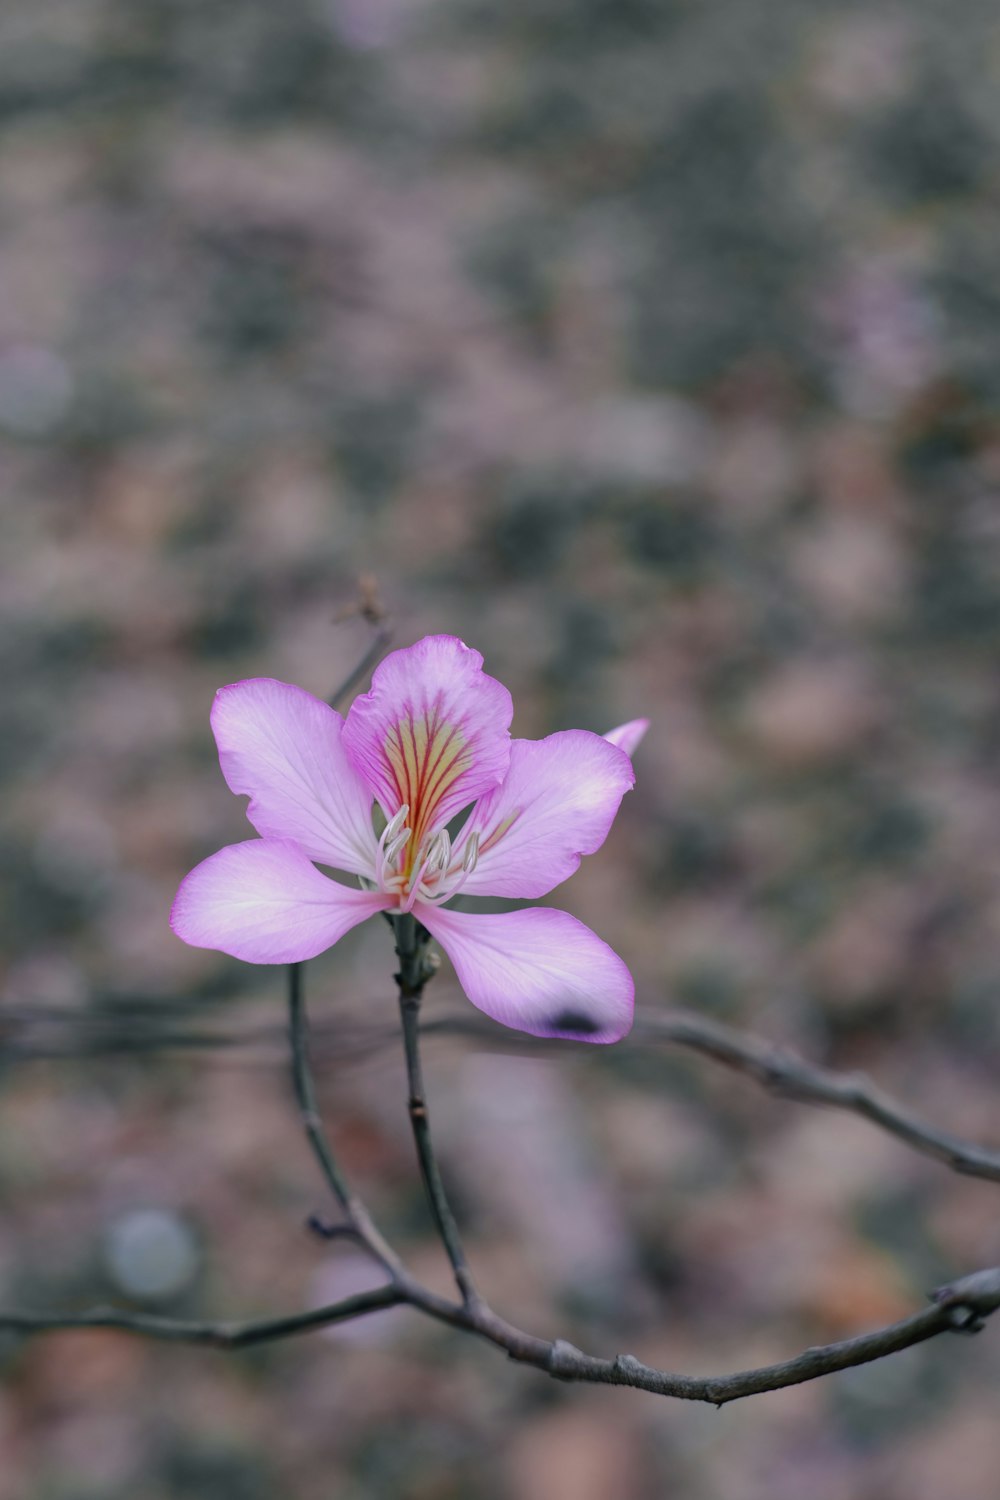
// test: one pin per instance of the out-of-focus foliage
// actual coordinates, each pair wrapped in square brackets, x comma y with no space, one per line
[654,347]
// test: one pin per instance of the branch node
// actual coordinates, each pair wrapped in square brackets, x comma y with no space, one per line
[563,1360]
[970,1300]
[328,1231]
[965,1320]
[628,1367]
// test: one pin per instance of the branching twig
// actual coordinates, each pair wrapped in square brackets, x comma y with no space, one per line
[961,1306]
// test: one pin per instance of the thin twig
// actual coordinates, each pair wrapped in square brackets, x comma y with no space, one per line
[776,1068]
[222,1335]
[412,976]
[382,637]
[24,1032]
[782,1072]
[359,1222]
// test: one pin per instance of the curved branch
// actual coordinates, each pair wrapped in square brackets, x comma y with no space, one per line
[961,1306]
[359,1223]
[219,1335]
[776,1068]
[784,1073]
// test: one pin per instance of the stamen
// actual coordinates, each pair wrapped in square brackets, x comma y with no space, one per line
[411,890]
[398,843]
[443,859]
[394,838]
[448,885]
[395,823]
[437,854]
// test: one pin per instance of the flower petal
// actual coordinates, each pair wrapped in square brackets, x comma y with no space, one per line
[627,736]
[434,732]
[556,803]
[263,901]
[282,746]
[538,970]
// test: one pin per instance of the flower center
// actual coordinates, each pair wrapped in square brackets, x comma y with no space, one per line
[428,873]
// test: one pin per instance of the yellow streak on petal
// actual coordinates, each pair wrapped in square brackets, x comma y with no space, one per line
[496,834]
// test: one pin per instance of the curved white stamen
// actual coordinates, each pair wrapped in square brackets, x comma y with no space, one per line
[395,823]
[398,843]
[445,893]
[439,852]
[394,838]
[447,883]
[433,877]
[412,890]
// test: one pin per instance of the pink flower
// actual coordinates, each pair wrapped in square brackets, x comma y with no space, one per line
[431,739]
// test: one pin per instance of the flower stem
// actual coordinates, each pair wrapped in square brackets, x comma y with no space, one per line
[414,971]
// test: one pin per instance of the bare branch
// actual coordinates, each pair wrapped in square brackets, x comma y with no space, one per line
[359,1223]
[370,608]
[38,1032]
[220,1335]
[784,1073]
[413,974]
[961,1306]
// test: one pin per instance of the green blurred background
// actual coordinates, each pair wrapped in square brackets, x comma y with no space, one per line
[653,347]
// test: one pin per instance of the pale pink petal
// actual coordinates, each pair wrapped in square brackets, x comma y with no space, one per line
[556,803]
[263,901]
[627,736]
[282,747]
[538,970]
[434,732]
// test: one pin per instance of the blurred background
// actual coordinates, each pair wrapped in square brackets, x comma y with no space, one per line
[654,348]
